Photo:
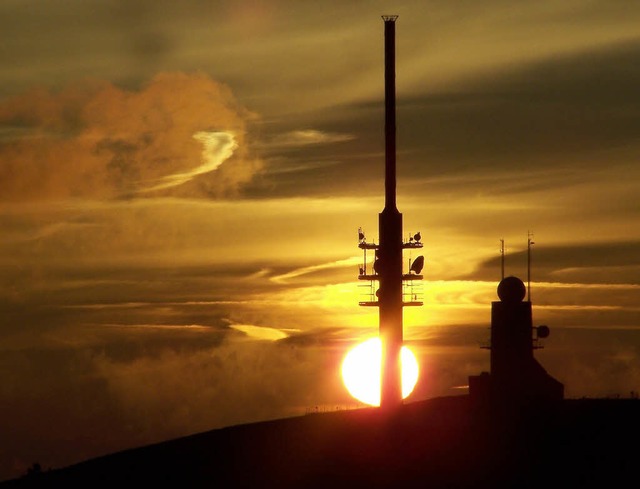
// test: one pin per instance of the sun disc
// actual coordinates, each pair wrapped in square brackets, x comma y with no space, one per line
[361,371]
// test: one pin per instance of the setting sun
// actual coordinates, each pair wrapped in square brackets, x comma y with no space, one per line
[361,371]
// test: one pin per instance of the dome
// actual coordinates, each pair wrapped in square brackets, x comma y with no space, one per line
[511,289]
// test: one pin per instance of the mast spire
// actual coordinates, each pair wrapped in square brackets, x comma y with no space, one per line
[390,110]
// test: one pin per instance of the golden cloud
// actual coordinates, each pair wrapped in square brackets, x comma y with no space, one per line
[180,134]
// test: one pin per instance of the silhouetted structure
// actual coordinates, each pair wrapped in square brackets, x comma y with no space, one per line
[516,376]
[387,267]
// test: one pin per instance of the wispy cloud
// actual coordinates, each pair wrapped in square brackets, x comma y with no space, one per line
[307,137]
[348,262]
[260,332]
[218,147]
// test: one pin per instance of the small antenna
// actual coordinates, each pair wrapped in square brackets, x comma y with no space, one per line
[502,258]
[529,243]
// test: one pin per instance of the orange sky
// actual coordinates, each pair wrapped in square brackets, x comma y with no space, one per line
[182,186]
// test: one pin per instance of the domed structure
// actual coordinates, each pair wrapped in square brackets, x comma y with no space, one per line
[511,289]
[516,376]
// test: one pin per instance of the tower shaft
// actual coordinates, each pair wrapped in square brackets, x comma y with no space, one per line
[390,306]
[388,264]
[390,249]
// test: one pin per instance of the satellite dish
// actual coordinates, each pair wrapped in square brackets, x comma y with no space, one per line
[542,331]
[417,265]
[417,236]
[360,234]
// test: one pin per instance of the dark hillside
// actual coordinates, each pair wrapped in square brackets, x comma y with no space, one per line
[444,442]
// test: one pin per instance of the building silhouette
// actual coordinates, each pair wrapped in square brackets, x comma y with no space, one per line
[516,377]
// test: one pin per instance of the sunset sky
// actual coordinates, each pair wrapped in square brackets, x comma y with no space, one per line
[182,183]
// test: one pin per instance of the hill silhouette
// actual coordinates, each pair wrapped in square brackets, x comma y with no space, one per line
[450,442]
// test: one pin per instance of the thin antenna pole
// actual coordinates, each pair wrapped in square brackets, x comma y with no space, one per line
[529,243]
[502,258]
[390,110]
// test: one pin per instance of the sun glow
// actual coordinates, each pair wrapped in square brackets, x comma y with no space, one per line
[361,371]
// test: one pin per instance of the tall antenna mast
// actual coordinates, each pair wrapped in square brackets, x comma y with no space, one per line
[388,264]
[390,229]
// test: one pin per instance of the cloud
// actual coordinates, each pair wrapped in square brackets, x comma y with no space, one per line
[591,363]
[535,124]
[115,388]
[94,140]
[605,262]
[260,332]
[568,110]
[306,137]
[347,262]
[218,147]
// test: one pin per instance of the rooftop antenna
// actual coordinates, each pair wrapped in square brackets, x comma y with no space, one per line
[502,258]
[529,243]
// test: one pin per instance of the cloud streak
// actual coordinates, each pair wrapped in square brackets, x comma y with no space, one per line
[307,137]
[347,262]
[260,332]
[218,147]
